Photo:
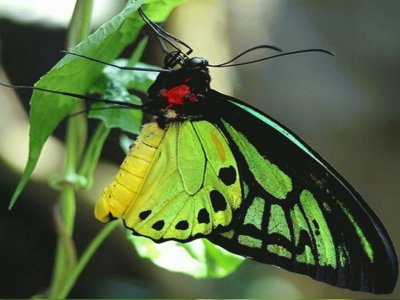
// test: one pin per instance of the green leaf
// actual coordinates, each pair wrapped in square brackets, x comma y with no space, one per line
[134,80]
[115,85]
[199,258]
[141,81]
[221,262]
[73,74]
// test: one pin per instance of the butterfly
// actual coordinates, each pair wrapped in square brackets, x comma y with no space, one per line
[211,166]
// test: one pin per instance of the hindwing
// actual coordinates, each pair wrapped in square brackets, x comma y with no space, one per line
[191,188]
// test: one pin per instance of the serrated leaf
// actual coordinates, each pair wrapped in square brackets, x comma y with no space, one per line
[199,258]
[115,85]
[73,74]
[114,116]
[141,81]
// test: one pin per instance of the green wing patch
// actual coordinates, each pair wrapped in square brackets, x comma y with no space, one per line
[268,175]
[192,185]
[300,225]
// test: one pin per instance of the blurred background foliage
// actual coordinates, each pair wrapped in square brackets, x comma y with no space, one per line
[345,107]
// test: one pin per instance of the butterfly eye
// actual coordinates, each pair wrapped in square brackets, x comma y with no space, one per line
[195,63]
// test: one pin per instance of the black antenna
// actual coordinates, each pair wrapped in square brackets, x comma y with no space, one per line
[78,96]
[116,66]
[157,32]
[163,34]
[269,57]
[96,109]
[250,50]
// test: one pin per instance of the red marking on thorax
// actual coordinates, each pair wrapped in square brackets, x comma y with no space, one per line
[177,95]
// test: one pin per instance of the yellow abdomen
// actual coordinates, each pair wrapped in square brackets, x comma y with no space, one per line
[122,191]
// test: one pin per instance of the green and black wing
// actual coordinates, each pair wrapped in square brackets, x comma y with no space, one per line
[298,212]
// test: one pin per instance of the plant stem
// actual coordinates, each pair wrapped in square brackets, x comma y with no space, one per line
[63,260]
[79,27]
[92,154]
[85,258]
[75,141]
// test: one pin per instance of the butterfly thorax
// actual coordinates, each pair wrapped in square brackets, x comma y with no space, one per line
[179,95]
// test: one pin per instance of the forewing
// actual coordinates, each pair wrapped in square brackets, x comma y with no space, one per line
[298,212]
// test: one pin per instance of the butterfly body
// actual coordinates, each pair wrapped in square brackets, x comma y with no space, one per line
[223,170]
[181,95]
[118,196]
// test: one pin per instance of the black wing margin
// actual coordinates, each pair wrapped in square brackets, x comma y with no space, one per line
[331,234]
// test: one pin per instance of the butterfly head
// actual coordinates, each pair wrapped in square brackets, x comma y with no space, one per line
[195,63]
[180,93]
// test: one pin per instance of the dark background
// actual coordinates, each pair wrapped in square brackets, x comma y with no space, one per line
[346,107]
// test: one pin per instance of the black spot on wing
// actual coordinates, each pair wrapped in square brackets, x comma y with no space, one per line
[144,214]
[315,223]
[218,201]
[182,225]
[203,217]
[227,175]
[158,225]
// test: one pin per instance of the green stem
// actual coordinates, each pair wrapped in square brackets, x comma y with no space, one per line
[79,27]
[63,259]
[85,258]
[92,154]
[75,141]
